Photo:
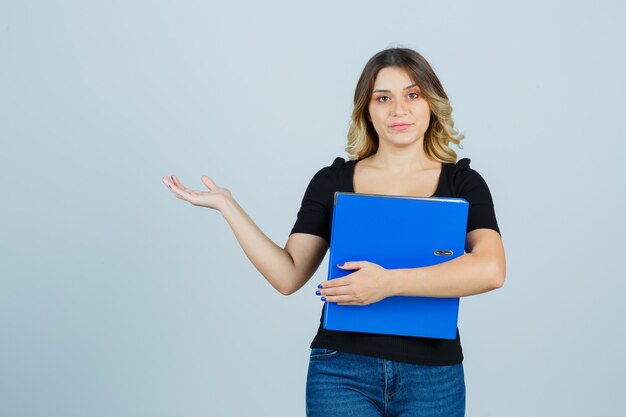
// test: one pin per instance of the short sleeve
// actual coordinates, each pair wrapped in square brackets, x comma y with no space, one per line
[471,186]
[314,214]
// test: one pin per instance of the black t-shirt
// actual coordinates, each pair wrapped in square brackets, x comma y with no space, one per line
[315,217]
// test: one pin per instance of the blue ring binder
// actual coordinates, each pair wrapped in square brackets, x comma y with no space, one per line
[396,232]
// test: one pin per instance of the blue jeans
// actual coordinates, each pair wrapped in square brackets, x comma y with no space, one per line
[342,384]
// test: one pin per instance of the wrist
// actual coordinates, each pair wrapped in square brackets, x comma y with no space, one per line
[392,282]
[228,205]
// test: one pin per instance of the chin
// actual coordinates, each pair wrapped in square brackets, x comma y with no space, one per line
[403,140]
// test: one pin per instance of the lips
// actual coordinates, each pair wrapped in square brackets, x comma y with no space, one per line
[401,126]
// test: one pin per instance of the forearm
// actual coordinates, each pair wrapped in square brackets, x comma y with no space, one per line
[272,261]
[465,275]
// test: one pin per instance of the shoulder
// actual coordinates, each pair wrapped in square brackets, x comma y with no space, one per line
[463,175]
[332,171]
[327,177]
[461,167]
[338,165]
[469,184]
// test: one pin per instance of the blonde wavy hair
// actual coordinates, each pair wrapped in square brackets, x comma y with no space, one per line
[362,137]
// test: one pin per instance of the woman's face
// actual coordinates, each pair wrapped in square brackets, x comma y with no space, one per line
[397,100]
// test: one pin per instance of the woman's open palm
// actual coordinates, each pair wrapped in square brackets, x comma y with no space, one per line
[215,198]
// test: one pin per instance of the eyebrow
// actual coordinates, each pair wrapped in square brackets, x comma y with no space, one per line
[388,91]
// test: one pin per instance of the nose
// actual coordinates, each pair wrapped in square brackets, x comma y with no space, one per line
[399,108]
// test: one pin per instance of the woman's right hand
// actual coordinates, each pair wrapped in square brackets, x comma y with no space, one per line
[215,198]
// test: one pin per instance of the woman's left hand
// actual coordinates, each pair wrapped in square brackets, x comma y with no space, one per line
[369,284]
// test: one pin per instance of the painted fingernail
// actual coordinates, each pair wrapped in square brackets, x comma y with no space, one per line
[319,286]
[323,298]
[172,177]
[318,292]
[339,265]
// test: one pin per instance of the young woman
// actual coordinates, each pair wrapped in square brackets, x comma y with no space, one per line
[398,143]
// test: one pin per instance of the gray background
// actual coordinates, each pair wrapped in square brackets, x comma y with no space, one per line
[117,299]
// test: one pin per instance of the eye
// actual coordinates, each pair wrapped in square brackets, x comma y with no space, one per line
[416,95]
[382,101]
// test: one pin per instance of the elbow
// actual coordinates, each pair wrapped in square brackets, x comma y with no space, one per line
[284,287]
[285,291]
[498,283]
[291,286]
[499,276]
